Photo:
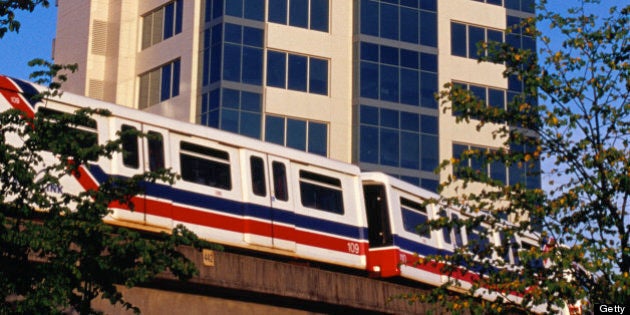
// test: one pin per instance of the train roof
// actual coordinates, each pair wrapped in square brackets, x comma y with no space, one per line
[183,127]
[399,184]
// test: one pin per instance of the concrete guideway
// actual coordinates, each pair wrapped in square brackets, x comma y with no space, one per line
[240,284]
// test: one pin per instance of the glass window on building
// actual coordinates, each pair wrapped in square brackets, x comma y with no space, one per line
[309,14]
[465,39]
[304,135]
[297,72]
[159,84]
[408,21]
[162,23]
[527,174]
[398,75]
[247,9]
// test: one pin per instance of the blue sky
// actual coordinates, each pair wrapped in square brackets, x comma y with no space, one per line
[33,41]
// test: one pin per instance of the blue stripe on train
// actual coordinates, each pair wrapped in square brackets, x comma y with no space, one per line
[237,208]
[28,90]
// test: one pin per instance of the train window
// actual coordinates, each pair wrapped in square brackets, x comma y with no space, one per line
[414,216]
[321,192]
[129,138]
[84,133]
[459,240]
[532,262]
[509,249]
[257,165]
[478,241]
[280,181]
[204,165]
[156,150]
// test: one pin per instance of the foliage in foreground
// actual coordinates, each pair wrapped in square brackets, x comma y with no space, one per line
[56,253]
[573,118]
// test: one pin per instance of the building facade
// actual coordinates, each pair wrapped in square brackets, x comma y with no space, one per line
[351,80]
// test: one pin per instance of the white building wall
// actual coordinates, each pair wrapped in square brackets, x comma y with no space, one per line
[455,68]
[334,108]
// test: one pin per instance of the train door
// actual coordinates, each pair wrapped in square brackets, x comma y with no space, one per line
[155,149]
[257,200]
[126,164]
[282,207]
[379,229]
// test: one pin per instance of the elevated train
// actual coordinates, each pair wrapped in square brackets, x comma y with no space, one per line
[250,194]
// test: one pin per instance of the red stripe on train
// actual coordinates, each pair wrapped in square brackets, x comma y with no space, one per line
[234,224]
[11,93]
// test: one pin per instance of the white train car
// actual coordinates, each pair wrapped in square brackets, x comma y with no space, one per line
[242,192]
[234,190]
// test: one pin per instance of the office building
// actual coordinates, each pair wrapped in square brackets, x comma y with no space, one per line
[351,80]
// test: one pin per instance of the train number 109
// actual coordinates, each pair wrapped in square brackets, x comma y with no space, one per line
[354,248]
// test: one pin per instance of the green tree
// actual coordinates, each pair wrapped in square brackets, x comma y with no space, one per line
[56,253]
[8,8]
[573,118]
[55,250]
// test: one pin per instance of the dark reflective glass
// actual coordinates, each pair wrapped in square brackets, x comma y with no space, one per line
[298,13]
[250,101]
[369,51]
[389,118]
[369,144]
[179,12]
[389,55]
[254,10]
[319,15]
[229,120]
[409,58]
[169,15]
[231,98]
[176,78]
[297,73]
[496,98]
[278,11]
[253,36]
[274,130]
[409,121]
[318,76]
[250,124]
[369,80]
[389,83]
[276,69]
[458,39]
[428,62]
[369,17]
[233,33]
[232,63]
[234,7]
[369,115]
[296,134]
[428,29]
[317,138]
[428,88]
[252,65]
[430,152]
[409,83]
[429,124]
[389,21]
[409,27]
[389,147]
[476,36]
[410,153]
[165,89]
[430,5]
